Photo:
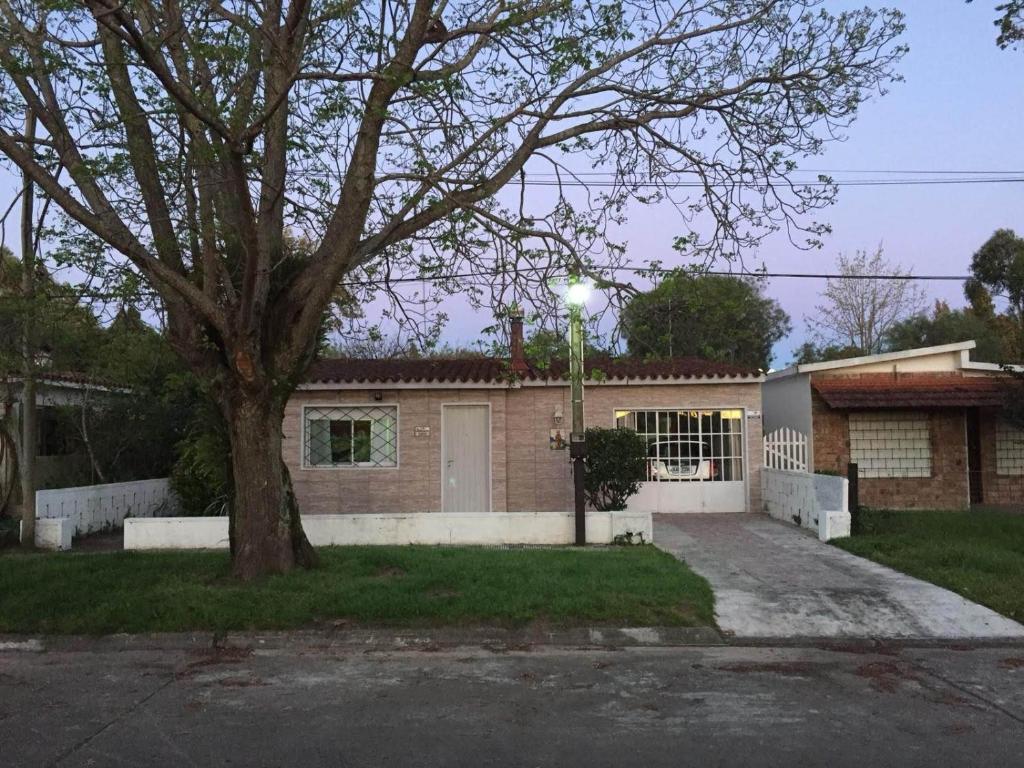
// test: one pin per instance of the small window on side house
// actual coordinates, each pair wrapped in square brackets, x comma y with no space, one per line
[1009,448]
[351,436]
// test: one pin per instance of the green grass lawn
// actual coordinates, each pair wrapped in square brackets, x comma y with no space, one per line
[980,555]
[398,586]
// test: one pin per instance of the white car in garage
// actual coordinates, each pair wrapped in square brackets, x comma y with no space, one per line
[677,460]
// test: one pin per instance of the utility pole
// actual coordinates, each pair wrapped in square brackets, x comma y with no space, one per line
[575,298]
[29,429]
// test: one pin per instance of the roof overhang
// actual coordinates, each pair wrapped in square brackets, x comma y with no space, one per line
[877,393]
[964,347]
[312,386]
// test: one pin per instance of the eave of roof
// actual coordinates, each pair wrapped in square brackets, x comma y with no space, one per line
[884,357]
[497,372]
[68,380]
[921,391]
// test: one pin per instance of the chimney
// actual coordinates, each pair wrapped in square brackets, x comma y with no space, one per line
[515,343]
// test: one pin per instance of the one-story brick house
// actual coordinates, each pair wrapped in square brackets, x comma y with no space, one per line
[486,435]
[924,426]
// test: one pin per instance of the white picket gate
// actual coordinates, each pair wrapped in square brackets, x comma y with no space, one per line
[786,449]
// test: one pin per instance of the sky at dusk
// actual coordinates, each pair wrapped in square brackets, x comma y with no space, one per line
[960,108]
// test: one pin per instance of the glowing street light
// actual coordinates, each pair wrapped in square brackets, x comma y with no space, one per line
[575,297]
[578,292]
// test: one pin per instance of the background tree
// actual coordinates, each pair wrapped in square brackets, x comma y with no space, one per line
[544,346]
[180,143]
[809,352]
[998,267]
[1010,23]
[857,309]
[946,326]
[717,317]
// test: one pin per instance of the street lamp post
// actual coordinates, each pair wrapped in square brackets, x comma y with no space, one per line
[576,296]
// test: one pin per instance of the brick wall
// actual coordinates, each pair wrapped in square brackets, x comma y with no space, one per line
[891,443]
[415,484]
[945,486]
[541,480]
[526,474]
[998,486]
[831,437]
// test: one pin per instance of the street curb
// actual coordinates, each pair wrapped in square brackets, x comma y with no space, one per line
[494,639]
[860,644]
[497,639]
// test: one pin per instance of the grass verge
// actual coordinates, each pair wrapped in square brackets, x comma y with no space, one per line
[397,586]
[979,555]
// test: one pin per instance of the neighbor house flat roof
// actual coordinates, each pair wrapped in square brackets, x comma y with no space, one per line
[964,347]
[497,371]
[67,380]
[915,391]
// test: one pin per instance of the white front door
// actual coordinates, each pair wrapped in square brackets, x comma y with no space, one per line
[466,458]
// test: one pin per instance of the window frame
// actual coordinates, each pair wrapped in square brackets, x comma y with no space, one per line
[304,462]
[700,436]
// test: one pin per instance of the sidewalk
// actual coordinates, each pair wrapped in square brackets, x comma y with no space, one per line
[774,581]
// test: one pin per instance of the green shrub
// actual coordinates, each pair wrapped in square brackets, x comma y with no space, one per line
[616,465]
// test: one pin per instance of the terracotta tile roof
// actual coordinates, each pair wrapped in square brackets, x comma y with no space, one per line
[497,370]
[351,370]
[635,368]
[918,391]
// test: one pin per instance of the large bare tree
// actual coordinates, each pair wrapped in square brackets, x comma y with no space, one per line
[865,302]
[188,143]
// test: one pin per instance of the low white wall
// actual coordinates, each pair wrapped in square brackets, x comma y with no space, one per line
[92,508]
[689,497]
[54,533]
[425,528]
[817,502]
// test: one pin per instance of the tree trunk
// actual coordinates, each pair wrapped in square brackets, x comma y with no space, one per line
[267,532]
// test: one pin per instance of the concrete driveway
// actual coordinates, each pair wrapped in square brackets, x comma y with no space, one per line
[774,580]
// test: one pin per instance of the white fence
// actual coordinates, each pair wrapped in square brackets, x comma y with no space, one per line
[786,449]
[817,502]
[94,508]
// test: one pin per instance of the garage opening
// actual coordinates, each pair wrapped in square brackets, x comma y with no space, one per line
[695,459]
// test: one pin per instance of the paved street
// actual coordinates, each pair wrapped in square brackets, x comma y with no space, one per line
[318,704]
[774,580]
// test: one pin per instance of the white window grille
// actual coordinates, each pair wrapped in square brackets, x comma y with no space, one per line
[687,444]
[351,436]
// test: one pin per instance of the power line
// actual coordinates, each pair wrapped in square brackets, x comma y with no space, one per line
[882,171]
[662,271]
[796,183]
[561,273]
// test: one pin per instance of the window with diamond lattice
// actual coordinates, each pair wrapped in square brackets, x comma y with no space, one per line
[351,436]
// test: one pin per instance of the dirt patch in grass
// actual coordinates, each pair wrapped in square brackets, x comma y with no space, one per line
[1012,662]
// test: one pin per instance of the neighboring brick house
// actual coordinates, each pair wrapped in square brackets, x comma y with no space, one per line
[924,426]
[483,434]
